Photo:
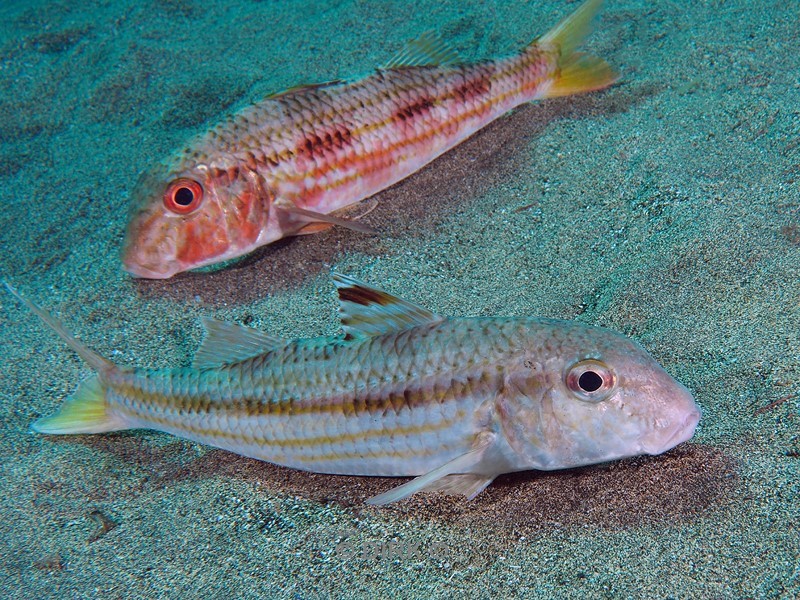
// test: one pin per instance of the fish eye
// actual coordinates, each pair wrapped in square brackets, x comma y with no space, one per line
[183,196]
[590,380]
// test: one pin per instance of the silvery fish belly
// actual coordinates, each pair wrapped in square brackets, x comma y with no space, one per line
[282,166]
[402,392]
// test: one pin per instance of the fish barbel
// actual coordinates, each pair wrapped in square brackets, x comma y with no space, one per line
[403,392]
[280,167]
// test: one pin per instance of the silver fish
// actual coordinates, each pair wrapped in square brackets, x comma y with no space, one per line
[403,392]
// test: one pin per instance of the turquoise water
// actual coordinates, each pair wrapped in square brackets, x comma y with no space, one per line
[666,208]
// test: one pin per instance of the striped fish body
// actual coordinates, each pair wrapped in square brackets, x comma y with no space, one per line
[401,403]
[455,402]
[280,167]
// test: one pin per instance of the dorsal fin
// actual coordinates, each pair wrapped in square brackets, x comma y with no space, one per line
[228,343]
[303,88]
[427,50]
[368,311]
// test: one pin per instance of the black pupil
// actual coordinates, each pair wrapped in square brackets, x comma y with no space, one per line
[184,196]
[590,381]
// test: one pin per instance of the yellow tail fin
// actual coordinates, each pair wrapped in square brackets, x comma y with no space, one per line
[83,412]
[86,411]
[578,72]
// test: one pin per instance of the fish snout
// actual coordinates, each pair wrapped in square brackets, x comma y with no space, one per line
[685,430]
[149,250]
[680,421]
[141,262]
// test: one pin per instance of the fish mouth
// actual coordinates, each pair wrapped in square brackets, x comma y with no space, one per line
[139,261]
[682,433]
[685,431]
[142,271]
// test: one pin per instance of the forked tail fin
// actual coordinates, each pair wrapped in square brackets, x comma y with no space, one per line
[86,411]
[578,72]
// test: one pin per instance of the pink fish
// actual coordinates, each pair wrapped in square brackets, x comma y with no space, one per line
[282,166]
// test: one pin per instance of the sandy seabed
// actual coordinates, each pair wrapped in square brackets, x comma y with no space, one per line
[667,208]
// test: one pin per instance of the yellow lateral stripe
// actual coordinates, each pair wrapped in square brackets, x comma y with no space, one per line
[252,406]
[295,442]
[352,406]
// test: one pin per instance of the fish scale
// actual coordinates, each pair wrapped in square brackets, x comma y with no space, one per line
[283,165]
[402,391]
[294,390]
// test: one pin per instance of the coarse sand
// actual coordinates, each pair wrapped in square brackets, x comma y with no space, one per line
[667,208]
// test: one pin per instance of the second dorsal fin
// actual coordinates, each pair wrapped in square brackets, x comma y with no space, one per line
[427,50]
[304,89]
[368,311]
[227,343]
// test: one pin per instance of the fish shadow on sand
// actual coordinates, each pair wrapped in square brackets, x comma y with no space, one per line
[409,210]
[679,486]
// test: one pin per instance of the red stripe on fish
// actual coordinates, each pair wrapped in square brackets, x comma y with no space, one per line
[324,147]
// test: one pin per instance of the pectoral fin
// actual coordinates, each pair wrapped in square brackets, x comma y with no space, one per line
[453,477]
[320,221]
[312,228]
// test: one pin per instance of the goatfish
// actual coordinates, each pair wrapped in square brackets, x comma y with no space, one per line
[281,167]
[453,402]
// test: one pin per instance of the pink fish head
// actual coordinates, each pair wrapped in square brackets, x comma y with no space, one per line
[600,397]
[184,218]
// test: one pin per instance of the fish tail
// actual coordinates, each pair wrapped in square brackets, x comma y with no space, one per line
[577,72]
[86,411]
